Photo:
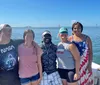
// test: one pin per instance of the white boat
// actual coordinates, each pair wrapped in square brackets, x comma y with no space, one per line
[96,73]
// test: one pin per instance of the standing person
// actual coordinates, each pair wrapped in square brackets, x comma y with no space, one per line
[8,57]
[68,59]
[30,69]
[84,45]
[50,74]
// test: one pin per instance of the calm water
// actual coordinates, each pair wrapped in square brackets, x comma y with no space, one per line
[93,32]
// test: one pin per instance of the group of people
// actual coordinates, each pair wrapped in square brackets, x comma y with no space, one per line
[24,62]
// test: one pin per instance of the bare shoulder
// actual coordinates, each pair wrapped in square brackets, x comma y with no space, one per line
[72,46]
[70,38]
[36,44]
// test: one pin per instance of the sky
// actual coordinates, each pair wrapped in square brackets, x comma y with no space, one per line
[49,13]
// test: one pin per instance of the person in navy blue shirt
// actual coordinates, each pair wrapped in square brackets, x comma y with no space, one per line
[8,57]
[50,74]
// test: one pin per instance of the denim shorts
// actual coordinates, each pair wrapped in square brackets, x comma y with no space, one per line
[30,79]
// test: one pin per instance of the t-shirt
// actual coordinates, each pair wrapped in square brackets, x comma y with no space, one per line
[9,58]
[28,60]
[65,57]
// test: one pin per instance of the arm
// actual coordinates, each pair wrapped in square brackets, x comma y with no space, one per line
[18,52]
[90,53]
[73,49]
[70,38]
[18,41]
[39,54]
[40,66]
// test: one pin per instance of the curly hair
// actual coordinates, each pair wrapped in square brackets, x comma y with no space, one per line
[77,23]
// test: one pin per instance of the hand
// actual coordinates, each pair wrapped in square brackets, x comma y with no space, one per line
[89,68]
[76,76]
[39,80]
[98,69]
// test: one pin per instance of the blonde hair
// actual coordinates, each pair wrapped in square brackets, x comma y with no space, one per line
[29,31]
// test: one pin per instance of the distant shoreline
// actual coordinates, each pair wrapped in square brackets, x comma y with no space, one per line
[57,27]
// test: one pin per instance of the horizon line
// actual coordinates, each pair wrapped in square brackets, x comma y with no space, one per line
[49,26]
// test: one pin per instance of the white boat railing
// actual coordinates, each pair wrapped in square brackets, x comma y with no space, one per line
[96,73]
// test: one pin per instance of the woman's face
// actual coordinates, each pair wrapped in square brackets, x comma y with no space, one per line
[77,29]
[63,36]
[29,37]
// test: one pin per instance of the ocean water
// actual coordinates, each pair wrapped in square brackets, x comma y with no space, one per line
[93,32]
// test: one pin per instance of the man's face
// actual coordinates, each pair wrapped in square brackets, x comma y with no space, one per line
[6,32]
[47,38]
[63,36]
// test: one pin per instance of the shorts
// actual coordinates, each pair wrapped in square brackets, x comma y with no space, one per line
[30,79]
[67,74]
[51,79]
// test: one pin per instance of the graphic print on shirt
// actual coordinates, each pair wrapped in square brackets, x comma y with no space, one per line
[8,58]
[60,51]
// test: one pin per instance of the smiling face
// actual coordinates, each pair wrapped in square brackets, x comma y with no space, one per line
[47,38]
[63,37]
[77,28]
[28,36]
